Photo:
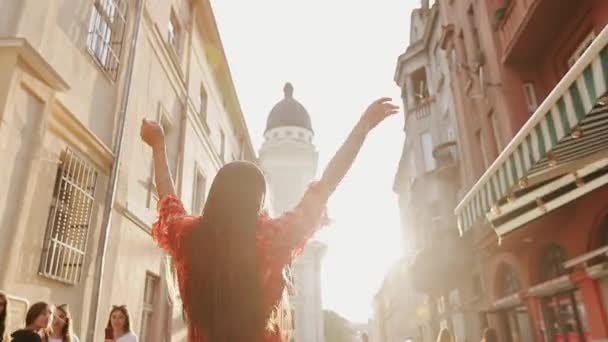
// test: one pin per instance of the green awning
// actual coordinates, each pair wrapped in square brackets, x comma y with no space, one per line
[570,126]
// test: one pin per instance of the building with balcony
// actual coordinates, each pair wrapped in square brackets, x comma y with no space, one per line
[427,182]
[397,310]
[536,208]
[77,197]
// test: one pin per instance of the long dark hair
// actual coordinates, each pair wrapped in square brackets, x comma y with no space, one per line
[125,312]
[3,314]
[68,331]
[222,293]
[35,311]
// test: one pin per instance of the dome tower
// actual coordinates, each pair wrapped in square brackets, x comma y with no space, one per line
[289,159]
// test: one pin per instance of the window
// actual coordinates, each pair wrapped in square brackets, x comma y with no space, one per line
[198,193]
[474,37]
[477,288]
[581,49]
[69,219]
[451,134]
[222,145]
[495,131]
[151,295]
[427,150]
[530,94]
[482,147]
[509,282]
[174,32]
[552,262]
[603,236]
[412,166]
[464,58]
[106,31]
[204,100]
[420,84]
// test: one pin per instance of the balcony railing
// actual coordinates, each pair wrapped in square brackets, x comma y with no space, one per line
[422,108]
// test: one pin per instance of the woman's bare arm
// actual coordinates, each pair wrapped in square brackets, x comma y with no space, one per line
[162,174]
[346,154]
[153,135]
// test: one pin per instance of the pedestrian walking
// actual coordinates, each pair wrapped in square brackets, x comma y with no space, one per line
[119,325]
[445,336]
[229,261]
[489,335]
[37,322]
[61,329]
[3,317]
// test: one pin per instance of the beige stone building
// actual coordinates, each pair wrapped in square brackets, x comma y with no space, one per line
[76,196]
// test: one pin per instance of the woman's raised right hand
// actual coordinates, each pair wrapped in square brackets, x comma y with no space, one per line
[377,112]
[152,133]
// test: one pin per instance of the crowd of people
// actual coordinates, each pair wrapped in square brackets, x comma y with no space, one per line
[54,323]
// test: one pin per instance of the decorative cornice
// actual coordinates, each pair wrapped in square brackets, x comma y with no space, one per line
[66,125]
[43,70]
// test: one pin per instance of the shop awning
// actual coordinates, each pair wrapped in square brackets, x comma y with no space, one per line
[568,132]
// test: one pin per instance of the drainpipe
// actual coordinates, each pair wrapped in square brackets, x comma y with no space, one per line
[111,190]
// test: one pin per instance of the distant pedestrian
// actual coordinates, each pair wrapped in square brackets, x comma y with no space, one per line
[489,335]
[36,323]
[230,260]
[3,317]
[445,336]
[119,325]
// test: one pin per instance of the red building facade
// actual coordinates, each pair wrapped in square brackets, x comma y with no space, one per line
[529,80]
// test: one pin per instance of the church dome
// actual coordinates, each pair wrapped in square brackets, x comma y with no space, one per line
[288,112]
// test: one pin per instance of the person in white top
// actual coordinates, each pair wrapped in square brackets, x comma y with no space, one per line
[119,326]
[61,329]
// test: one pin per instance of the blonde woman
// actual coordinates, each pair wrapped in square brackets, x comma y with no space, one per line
[61,329]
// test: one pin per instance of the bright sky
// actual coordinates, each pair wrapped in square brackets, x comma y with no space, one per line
[339,55]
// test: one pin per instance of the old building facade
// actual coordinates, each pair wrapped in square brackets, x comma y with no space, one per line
[77,198]
[527,82]
[534,151]
[427,182]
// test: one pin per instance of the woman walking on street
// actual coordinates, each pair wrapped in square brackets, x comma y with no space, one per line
[445,336]
[119,325]
[36,323]
[61,329]
[489,335]
[229,261]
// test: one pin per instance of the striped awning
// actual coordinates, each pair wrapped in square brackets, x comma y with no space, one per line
[571,125]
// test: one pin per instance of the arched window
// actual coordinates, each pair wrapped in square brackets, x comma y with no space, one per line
[509,282]
[552,262]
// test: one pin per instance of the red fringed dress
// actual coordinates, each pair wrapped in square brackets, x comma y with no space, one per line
[278,240]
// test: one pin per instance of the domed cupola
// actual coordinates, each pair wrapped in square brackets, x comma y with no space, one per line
[288,112]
